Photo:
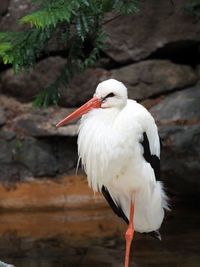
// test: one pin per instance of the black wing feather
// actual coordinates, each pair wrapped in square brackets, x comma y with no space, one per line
[116,208]
[152,159]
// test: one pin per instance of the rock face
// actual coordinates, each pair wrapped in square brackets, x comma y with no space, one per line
[30,143]
[82,88]
[4,7]
[178,117]
[153,77]
[144,79]
[135,37]
[24,86]
[182,105]
[156,55]
[2,116]
[16,10]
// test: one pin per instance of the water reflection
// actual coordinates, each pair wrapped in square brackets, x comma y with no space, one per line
[95,238]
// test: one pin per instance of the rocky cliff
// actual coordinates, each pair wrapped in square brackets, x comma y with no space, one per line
[156,55]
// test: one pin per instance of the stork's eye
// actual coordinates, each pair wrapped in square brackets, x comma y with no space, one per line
[109,95]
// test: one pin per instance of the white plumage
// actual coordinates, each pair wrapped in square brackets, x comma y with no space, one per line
[109,145]
[119,147]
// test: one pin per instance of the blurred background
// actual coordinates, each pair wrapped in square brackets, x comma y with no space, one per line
[49,216]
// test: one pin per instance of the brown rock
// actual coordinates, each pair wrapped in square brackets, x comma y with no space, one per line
[4,7]
[182,105]
[24,86]
[153,77]
[136,36]
[178,117]
[29,141]
[82,87]
[2,116]
[16,10]
[149,103]
[36,155]
[5,152]
[43,122]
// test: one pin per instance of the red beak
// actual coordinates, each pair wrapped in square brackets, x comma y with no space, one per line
[92,103]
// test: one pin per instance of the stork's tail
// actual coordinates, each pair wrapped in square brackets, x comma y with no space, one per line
[165,199]
[155,234]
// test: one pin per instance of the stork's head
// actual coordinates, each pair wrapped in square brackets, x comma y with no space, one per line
[112,93]
[109,94]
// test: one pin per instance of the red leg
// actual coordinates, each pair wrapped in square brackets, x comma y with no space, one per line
[129,235]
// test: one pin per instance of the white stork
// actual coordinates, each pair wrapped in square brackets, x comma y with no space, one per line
[119,147]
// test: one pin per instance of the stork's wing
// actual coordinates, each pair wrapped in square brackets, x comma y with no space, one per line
[149,157]
[116,208]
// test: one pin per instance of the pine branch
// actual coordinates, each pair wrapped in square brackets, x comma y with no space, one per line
[193,8]
[24,48]
[50,15]
[75,23]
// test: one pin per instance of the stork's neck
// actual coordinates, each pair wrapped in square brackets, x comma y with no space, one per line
[109,115]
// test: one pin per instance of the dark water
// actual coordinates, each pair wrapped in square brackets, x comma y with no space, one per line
[96,239]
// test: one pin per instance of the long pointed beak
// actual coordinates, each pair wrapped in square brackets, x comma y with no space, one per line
[91,104]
